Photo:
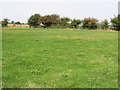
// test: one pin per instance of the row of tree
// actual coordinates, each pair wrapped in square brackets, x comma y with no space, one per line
[54,20]
[5,22]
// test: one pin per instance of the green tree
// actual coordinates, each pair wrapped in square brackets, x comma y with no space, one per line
[104,24]
[64,22]
[33,21]
[12,22]
[49,20]
[90,23]
[17,22]
[115,23]
[75,23]
[5,22]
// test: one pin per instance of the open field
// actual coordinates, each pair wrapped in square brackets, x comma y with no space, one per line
[9,25]
[18,26]
[60,58]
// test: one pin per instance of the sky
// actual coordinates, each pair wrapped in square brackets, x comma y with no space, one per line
[21,10]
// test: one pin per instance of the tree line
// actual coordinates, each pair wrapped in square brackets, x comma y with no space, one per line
[55,21]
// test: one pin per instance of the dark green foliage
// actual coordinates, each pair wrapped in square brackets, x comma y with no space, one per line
[49,20]
[55,21]
[116,23]
[75,23]
[104,24]
[5,22]
[17,22]
[55,26]
[90,23]
[12,22]
[33,21]
[64,22]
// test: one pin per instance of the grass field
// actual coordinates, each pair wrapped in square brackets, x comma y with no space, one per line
[60,58]
[17,25]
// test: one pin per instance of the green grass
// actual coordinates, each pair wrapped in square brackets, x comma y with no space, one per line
[60,59]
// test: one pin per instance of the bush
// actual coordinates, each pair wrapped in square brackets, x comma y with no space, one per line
[116,23]
[75,23]
[104,24]
[64,22]
[49,20]
[17,22]
[5,22]
[33,21]
[90,23]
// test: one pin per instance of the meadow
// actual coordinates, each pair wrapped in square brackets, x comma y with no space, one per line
[54,58]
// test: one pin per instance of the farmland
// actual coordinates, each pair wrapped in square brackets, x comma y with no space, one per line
[54,58]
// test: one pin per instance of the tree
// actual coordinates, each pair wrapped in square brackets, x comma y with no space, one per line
[116,23]
[5,22]
[17,22]
[64,22]
[75,23]
[90,23]
[33,21]
[12,22]
[49,20]
[104,24]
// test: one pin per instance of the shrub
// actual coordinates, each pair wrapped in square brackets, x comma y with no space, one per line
[75,23]
[64,22]
[90,23]
[49,20]
[104,24]
[5,22]
[116,23]
[33,21]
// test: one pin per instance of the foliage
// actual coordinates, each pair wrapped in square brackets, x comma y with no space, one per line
[55,21]
[12,22]
[33,21]
[75,23]
[90,23]
[49,20]
[5,22]
[64,22]
[17,22]
[116,22]
[104,24]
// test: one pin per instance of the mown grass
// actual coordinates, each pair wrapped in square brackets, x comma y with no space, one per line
[60,59]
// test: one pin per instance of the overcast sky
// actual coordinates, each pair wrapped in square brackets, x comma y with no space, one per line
[21,10]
